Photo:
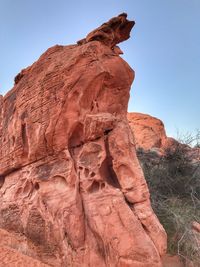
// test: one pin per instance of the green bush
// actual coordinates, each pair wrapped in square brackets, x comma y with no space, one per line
[174,184]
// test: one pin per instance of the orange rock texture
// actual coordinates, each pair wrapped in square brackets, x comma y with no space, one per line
[72,191]
[149,132]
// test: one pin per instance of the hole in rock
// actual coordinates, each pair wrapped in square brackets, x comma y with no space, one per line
[106,169]
[23,129]
[13,140]
[92,174]
[76,137]
[2,180]
[107,131]
[94,187]
[23,116]
[103,185]
[37,186]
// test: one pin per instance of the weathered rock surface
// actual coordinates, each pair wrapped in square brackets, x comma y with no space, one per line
[71,187]
[149,132]
[173,261]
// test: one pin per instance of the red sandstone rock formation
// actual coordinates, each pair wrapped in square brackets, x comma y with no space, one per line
[173,261]
[149,132]
[72,191]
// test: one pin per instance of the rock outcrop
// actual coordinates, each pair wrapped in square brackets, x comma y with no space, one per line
[71,187]
[149,132]
[149,135]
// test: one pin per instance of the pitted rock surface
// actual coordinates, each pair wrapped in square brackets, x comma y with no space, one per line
[71,187]
[149,131]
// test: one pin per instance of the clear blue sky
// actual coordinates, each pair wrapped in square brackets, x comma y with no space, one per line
[164,49]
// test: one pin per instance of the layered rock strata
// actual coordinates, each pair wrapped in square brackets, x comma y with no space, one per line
[71,187]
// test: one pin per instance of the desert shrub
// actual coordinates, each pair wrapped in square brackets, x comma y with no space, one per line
[174,184]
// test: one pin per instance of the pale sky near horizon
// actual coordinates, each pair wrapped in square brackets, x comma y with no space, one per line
[164,48]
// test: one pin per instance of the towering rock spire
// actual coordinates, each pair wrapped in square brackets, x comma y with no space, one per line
[72,190]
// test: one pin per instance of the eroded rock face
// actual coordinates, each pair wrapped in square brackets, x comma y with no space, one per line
[71,183]
[149,134]
[149,131]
